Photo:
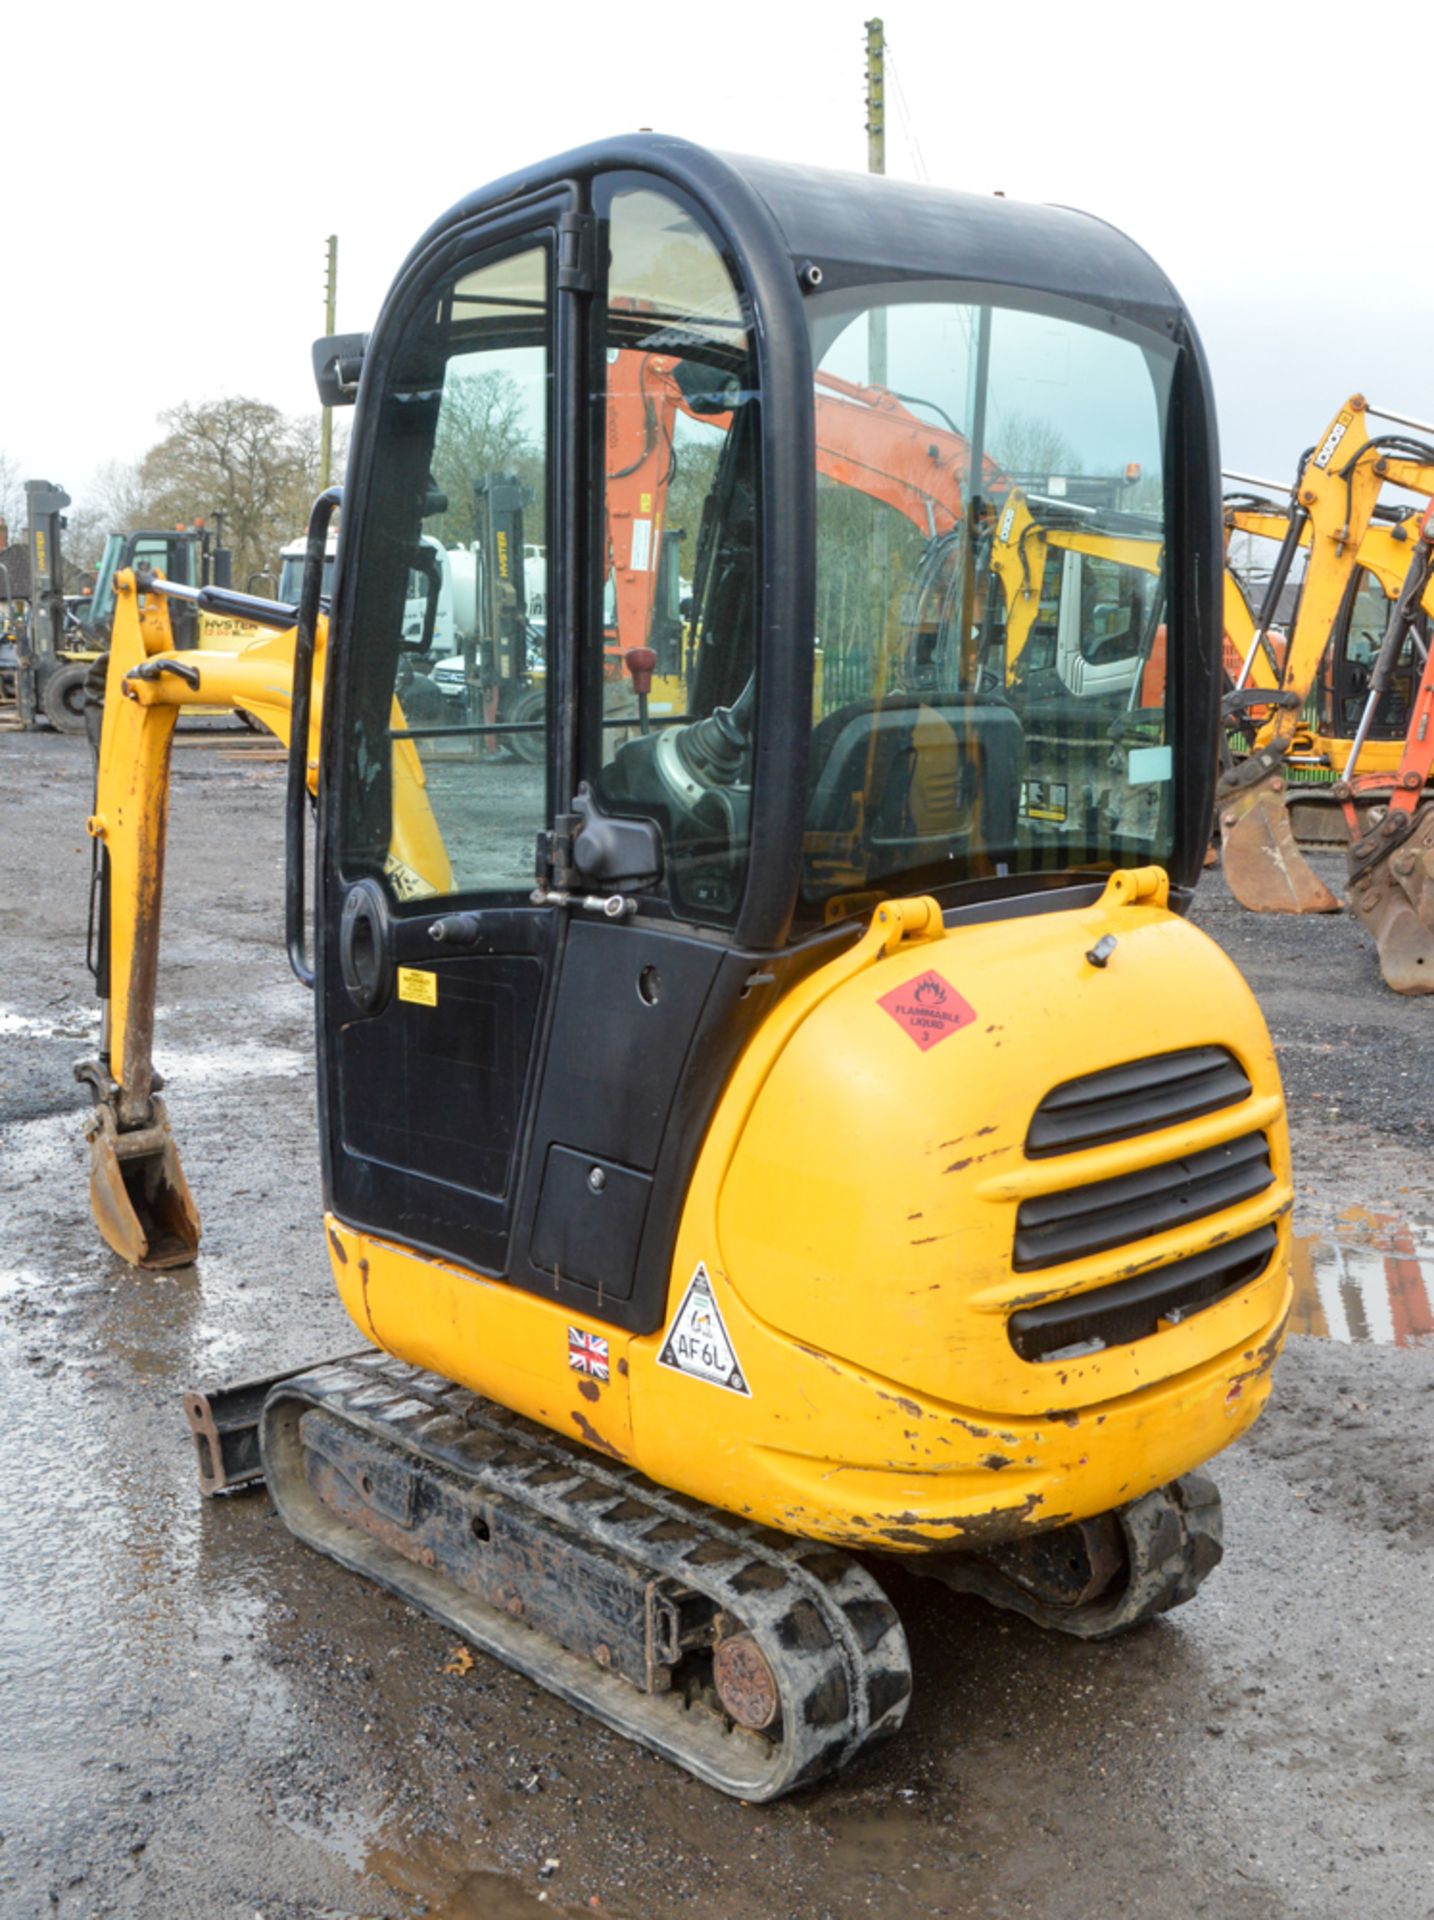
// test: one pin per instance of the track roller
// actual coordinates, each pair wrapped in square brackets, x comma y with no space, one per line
[755,1661]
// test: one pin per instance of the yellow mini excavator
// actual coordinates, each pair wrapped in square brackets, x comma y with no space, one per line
[1332,512]
[753,1134]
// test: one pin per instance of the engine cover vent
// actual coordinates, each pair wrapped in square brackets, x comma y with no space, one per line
[1109,1213]
[1140,1097]
[1134,1309]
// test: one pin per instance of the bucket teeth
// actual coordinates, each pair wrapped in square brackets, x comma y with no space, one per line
[138,1193]
[1393,896]
[1264,867]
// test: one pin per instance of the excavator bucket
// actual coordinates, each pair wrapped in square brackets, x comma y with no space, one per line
[1264,867]
[1394,899]
[138,1193]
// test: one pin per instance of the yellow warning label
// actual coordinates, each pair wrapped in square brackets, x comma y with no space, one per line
[416,985]
[406,884]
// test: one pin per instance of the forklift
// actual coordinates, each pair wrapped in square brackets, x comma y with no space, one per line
[754,1149]
[50,655]
[193,556]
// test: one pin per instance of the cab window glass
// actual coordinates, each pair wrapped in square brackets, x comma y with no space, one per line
[679,435]
[447,785]
[1369,607]
[992,691]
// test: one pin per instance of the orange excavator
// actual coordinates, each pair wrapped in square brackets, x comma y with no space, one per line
[1333,511]
[867,440]
[871,441]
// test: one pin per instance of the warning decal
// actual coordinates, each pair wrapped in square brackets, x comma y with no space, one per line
[418,985]
[697,1341]
[928,1009]
[406,884]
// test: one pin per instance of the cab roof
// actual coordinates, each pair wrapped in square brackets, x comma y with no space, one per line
[860,227]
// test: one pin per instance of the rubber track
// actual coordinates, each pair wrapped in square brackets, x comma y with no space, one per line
[1173,1539]
[831,1637]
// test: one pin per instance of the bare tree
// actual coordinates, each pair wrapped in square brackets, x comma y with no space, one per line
[481,430]
[239,457]
[1028,448]
[116,497]
[12,498]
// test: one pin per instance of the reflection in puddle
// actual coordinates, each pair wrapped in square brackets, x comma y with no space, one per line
[441,1872]
[1372,1279]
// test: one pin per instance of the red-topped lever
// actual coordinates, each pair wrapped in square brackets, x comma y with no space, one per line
[641,662]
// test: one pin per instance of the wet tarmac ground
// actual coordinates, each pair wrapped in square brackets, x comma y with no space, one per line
[198,1717]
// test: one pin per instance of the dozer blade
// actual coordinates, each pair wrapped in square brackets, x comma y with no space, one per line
[1264,867]
[1393,895]
[138,1193]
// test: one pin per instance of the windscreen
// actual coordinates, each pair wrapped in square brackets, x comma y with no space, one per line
[102,600]
[991,685]
[291,577]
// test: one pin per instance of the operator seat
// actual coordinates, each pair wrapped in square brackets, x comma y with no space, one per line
[914,777]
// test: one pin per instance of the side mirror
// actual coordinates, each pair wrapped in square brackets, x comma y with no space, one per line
[708,389]
[338,361]
[427,569]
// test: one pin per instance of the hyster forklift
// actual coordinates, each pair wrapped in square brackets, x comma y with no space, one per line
[45,673]
[822,1151]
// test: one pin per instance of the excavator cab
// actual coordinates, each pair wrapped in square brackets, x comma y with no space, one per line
[775,1106]
[742,832]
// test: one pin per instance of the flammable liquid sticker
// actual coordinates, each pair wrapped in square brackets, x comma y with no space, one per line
[928,1009]
[698,1342]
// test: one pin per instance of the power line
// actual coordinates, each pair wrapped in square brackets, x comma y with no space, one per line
[908,122]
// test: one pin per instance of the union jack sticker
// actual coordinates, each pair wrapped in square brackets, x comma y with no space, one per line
[587,1353]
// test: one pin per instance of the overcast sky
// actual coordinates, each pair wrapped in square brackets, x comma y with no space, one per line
[174,171]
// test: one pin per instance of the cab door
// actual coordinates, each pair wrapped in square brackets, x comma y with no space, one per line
[434,962]
[520,1055]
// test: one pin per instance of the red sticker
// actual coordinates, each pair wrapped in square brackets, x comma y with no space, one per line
[928,1008]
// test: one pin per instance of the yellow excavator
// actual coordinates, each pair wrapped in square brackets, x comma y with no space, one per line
[1333,513]
[1321,744]
[751,1138]
[1031,538]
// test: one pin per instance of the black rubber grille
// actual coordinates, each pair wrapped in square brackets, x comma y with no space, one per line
[1134,1309]
[1137,1098]
[1109,1213]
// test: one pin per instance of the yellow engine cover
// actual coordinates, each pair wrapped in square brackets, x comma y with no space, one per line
[837,1356]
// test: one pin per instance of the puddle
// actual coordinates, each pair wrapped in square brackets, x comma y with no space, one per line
[1369,1280]
[444,1874]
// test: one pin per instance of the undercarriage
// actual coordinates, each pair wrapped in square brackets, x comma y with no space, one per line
[755,1661]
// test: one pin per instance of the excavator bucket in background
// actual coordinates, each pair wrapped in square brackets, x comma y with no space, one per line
[138,1193]
[1264,867]
[1392,891]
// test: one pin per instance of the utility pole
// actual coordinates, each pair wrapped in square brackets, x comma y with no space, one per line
[331,290]
[876,163]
